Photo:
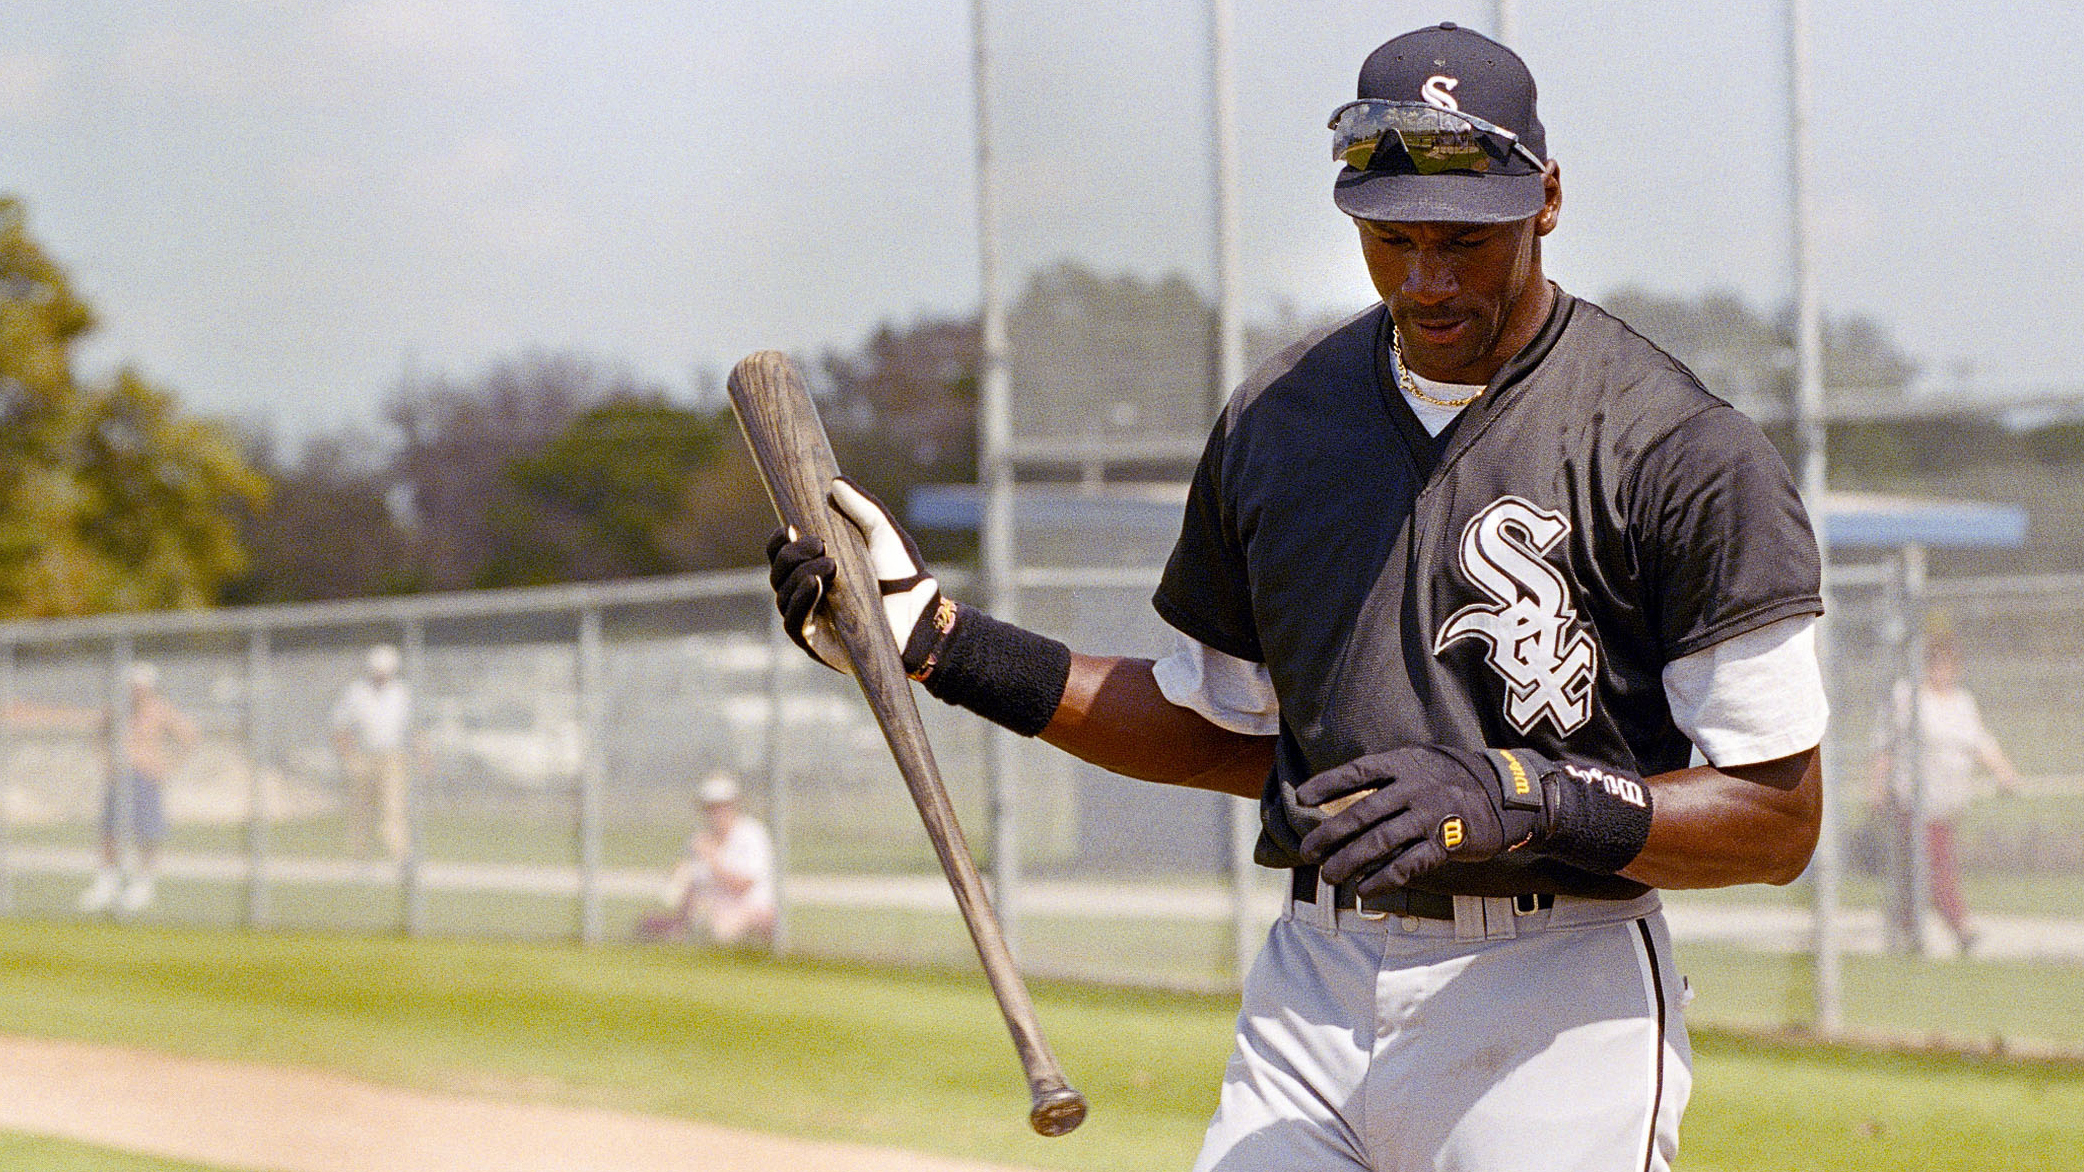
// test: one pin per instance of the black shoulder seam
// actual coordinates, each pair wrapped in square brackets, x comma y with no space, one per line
[1660,351]
[1745,622]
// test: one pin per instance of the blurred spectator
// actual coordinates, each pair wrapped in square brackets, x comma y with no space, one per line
[372,728]
[1952,742]
[725,882]
[156,736]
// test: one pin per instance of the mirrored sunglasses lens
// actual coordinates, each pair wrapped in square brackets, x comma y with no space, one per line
[1434,140]
[1445,150]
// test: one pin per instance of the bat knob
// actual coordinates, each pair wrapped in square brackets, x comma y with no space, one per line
[1057,1112]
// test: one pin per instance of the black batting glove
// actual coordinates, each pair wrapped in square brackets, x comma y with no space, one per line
[965,657]
[800,570]
[801,573]
[1398,814]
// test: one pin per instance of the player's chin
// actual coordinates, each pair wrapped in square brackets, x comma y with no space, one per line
[1438,348]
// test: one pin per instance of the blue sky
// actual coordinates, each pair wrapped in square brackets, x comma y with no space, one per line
[279,206]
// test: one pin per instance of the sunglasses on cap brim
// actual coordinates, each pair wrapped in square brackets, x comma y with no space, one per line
[1435,140]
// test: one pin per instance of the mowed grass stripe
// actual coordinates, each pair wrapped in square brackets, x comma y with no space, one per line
[875,1055]
[57,1155]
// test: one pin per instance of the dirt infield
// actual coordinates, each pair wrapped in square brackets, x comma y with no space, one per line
[277,1119]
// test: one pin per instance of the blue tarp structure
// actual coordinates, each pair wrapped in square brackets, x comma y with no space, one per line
[1851,520]
[1858,520]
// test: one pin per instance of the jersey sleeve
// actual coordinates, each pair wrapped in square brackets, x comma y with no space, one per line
[1205,592]
[1722,539]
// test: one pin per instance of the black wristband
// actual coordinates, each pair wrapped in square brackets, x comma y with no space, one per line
[1593,819]
[1003,673]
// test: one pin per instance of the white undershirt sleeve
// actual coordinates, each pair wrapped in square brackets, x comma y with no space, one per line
[1756,697]
[1229,692]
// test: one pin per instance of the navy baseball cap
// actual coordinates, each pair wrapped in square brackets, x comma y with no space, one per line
[1444,130]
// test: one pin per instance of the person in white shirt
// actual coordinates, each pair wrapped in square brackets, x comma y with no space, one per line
[372,728]
[725,882]
[1952,742]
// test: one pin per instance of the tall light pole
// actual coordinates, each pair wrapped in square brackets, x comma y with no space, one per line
[995,545]
[1229,364]
[1229,370]
[1810,438]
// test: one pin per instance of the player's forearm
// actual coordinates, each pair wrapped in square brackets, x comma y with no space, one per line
[1113,715]
[1715,828]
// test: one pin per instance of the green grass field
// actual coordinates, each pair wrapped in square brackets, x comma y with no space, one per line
[905,1058]
[1969,1002]
[53,1155]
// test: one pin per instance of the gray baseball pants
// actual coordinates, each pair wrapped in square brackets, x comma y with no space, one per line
[1497,1042]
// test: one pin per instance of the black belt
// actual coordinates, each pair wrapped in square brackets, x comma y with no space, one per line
[1401,901]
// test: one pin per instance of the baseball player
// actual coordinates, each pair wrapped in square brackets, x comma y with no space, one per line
[1462,585]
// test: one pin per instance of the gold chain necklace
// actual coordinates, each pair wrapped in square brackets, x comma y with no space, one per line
[1410,385]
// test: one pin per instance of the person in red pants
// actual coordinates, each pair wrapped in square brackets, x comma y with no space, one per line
[1953,742]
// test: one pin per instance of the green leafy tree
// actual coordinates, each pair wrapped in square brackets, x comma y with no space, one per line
[1111,357]
[902,410]
[111,498]
[605,498]
[472,523]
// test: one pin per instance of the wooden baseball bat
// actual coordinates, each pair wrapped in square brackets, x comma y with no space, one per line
[788,443]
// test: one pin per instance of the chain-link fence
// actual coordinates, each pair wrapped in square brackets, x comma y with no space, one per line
[1971,937]
[561,734]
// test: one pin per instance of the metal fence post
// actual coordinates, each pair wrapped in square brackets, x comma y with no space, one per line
[592,720]
[1919,891]
[996,553]
[1828,866]
[7,670]
[1903,894]
[119,837]
[781,656]
[412,891]
[259,753]
[1894,871]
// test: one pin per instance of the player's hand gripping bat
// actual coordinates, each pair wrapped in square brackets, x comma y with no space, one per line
[788,443]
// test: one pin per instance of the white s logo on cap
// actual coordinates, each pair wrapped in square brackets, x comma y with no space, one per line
[1439,91]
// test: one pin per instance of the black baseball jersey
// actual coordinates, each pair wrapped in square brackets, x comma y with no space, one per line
[1520,580]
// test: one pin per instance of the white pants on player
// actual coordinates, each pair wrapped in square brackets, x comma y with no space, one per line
[1404,1044]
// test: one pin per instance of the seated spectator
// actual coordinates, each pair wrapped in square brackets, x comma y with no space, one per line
[723,886]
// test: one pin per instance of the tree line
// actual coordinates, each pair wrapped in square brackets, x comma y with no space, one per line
[557,467]
[551,468]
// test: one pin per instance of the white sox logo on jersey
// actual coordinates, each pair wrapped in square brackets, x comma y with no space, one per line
[1530,624]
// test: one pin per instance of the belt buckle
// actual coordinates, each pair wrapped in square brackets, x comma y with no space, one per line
[1526,904]
[1360,909]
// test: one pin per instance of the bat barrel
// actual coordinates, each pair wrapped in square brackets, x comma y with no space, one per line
[795,458]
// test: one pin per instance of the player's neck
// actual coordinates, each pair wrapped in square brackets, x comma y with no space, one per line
[1439,404]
